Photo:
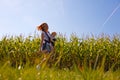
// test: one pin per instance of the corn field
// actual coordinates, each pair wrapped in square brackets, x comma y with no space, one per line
[91,52]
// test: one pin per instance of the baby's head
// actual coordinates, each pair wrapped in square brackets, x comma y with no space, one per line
[53,34]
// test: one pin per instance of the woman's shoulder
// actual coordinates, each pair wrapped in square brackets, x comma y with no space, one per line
[43,33]
[46,34]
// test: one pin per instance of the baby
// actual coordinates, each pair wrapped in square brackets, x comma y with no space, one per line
[53,39]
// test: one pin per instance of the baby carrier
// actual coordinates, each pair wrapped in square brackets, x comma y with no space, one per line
[46,44]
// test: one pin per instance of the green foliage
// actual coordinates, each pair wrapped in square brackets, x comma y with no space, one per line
[89,58]
[30,73]
[90,52]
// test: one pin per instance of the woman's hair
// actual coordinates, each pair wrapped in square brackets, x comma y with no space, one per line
[41,27]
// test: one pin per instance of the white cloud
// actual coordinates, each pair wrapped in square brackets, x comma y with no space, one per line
[54,8]
[8,7]
[60,6]
[15,15]
[10,3]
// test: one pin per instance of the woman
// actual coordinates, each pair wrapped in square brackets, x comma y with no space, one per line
[45,38]
[46,42]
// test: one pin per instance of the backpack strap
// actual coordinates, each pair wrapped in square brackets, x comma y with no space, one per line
[48,38]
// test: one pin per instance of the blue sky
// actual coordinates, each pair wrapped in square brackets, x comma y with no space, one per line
[64,16]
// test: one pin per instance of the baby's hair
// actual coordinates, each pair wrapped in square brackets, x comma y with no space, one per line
[53,33]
